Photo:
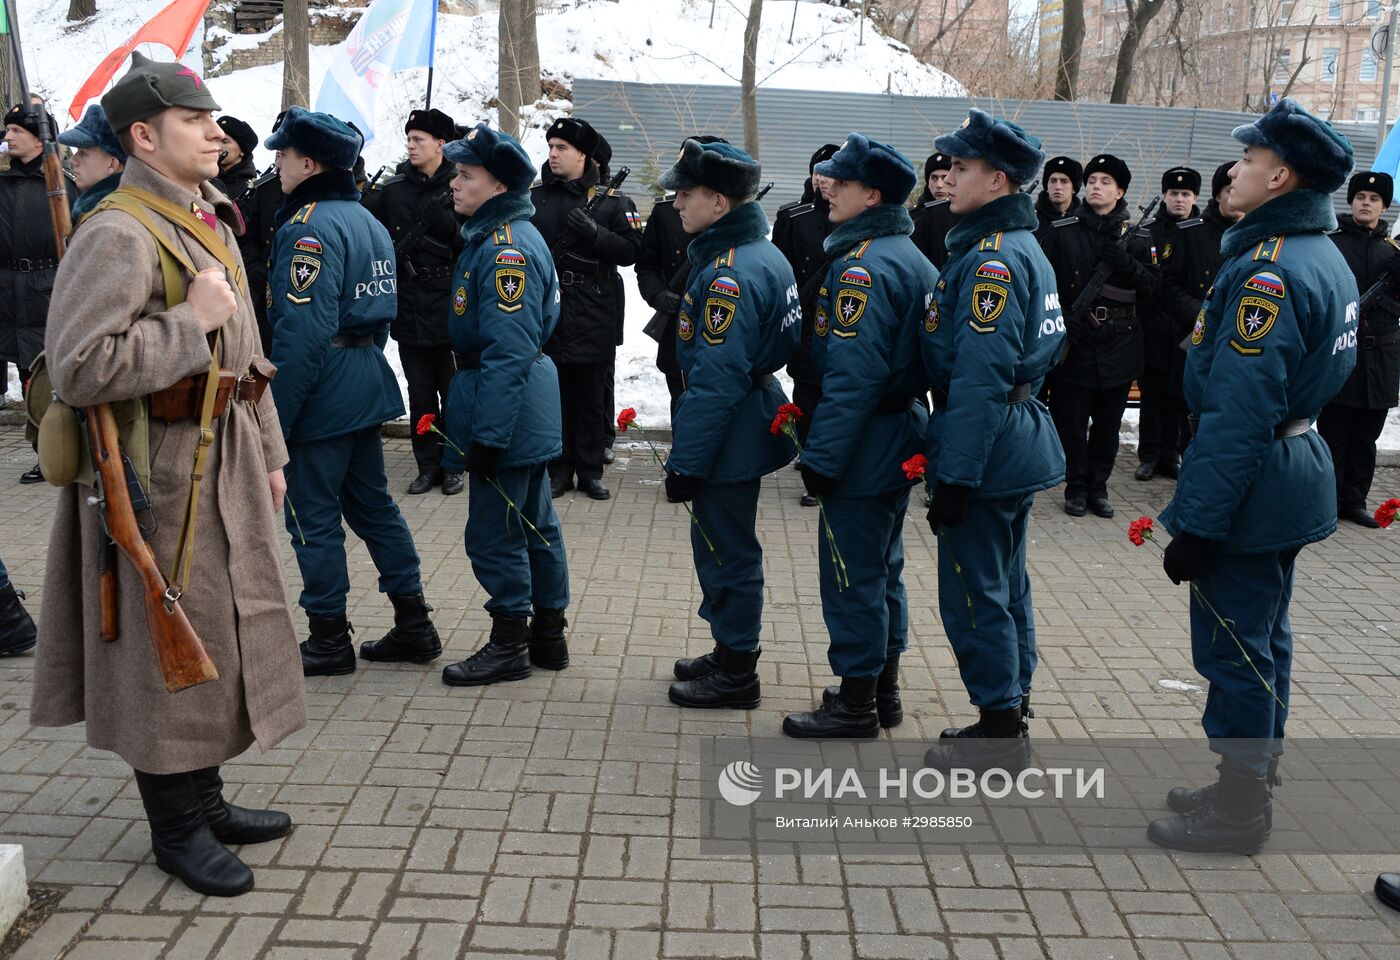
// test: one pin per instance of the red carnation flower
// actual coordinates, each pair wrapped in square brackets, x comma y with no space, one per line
[425,423]
[1140,531]
[915,466]
[1385,513]
[787,413]
[626,418]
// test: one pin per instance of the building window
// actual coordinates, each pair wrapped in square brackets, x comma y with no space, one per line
[1368,114]
[1334,9]
[1373,9]
[1368,65]
[1281,71]
[1327,65]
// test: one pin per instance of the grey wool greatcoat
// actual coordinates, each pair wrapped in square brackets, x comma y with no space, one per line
[110,337]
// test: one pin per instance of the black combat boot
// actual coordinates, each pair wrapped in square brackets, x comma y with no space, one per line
[413,639]
[849,715]
[887,703]
[548,648]
[17,632]
[733,683]
[1187,800]
[1230,821]
[1388,890]
[693,668]
[1000,739]
[233,824]
[184,845]
[506,656]
[328,652]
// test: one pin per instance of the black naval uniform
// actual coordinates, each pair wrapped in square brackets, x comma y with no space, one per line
[799,230]
[1353,420]
[932,221]
[1105,346]
[661,258]
[259,208]
[585,341]
[416,209]
[1047,214]
[1162,431]
[1189,264]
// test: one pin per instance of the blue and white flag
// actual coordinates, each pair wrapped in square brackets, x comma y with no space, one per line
[392,35]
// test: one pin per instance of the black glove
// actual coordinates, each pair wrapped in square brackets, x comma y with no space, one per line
[680,489]
[481,461]
[1117,259]
[668,302]
[1184,557]
[817,484]
[582,224]
[949,506]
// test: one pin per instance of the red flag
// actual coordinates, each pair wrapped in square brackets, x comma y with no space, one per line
[172,27]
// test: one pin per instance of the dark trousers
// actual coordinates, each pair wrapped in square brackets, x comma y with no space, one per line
[582,399]
[675,386]
[1089,449]
[428,371]
[1351,434]
[610,405]
[1161,420]
[806,394]
[523,571]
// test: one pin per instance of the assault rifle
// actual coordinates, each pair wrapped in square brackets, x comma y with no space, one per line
[1387,286]
[569,238]
[1080,308]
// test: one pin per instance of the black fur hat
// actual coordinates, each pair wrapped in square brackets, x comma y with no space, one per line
[1111,165]
[1381,183]
[1220,179]
[434,123]
[721,167]
[1181,178]
[1069,166]
[575,132]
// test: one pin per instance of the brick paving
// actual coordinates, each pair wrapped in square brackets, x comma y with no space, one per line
[550,817]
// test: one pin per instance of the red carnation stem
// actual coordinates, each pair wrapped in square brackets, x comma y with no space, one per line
[787,413]
[510,504]
[656,455]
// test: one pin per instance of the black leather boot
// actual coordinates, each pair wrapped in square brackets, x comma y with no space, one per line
[1187,800]
[17,631]
[233,824]
[888,705]
[733,683]
[1388,890]
[328,652]
[548,648]
[849,715]
[506,656]
[1000,739]
[184,845]
[1231,821]
[413,639]
[693,668]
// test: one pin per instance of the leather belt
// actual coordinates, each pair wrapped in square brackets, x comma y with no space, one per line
[415,272]
[1289,428]
[184,399]
[472,361]
[1380,339]
[570,278]
[348,340]
[25,265]
[1019,393]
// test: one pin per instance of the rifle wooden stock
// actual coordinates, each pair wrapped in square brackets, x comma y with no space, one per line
[183,660]
[107,595]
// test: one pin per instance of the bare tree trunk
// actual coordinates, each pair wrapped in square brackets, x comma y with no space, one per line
[1140,14]
[7,74]
[1071,47]
[296,54]
[518,61]
[81,9]
[748,93]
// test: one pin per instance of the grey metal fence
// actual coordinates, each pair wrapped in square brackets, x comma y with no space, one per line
[645,124]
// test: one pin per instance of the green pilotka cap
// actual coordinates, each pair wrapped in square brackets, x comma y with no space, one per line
[151,86]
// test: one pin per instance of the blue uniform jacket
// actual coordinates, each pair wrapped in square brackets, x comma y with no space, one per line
[1274,340]
[866,349]
[739,320]
[505,305]
[331,271]
[995,323]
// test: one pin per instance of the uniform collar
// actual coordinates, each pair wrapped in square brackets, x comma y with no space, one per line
[744,224]
[327,185]
[881,220]
[138,173]
[502,208]
[1298,211]
[1013,212]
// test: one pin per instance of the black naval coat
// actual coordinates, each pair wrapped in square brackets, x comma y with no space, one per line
[1375,382]
[932,221]
[799,231]
[662,254]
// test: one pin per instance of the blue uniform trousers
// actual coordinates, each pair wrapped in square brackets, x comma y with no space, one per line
[519,571]
[343,477]
[982,580]
[867,618]
[1251,592]
[733,586]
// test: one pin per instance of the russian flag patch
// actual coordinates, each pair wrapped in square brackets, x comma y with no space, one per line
[512,258]
[856,277]
[994,270]
[1266,282]
[308,245]
[725,285]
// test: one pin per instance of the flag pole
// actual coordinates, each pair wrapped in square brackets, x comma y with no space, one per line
[432,56]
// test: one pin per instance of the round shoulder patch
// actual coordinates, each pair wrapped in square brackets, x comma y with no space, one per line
[994,270]
[511,258]
[856,276]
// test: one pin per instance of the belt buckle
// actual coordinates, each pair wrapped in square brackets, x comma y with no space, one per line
[24,265]
[238,386]
[1368,343]
[567,278]
[1100,314]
